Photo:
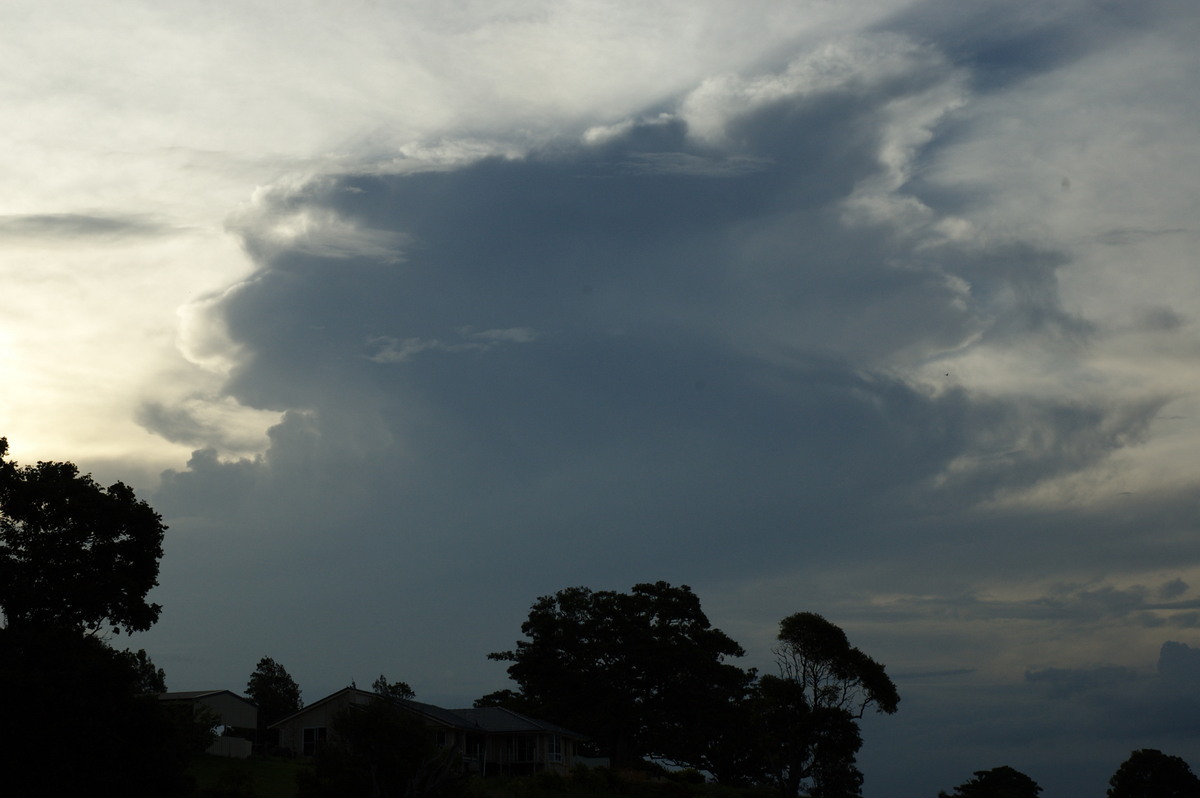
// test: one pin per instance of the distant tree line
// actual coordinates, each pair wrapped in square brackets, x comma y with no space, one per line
[1147,773]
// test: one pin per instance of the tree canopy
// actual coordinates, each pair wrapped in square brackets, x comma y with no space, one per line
[75,558]
[74,554]
[816,654]
[61,679]
[274,690]
[1001,782]
[805,718]
[635,671]
[392,689]
[1149,773]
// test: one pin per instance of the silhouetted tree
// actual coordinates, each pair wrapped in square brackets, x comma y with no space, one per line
[81,724]
[1001,782]
[274,690]
[150,680]
[392,689]
[72,553]
[1149,773]
[640,673]
[277,695]
[508,699]
[75,558]
[806,718]
[378,750]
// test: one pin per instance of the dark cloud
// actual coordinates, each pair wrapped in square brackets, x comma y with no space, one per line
[523,377]
[657,356]
[52,226]
[1160,319]
[1132,705]
[175,424]
[1004,42]
[1128,235]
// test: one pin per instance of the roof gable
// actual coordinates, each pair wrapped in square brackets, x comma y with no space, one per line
[195,695]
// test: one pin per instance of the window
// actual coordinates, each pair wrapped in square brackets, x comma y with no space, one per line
[313,738]
[523,749]
[554,749]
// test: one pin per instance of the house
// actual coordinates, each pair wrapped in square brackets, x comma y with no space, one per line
[233,711]
[487,740]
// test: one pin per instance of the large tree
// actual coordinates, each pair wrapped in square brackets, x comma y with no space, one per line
[1149,773]
[83,724]
[805,718]
[1001,782]
[73,554]
[274,690]
[641,673]
[76,558]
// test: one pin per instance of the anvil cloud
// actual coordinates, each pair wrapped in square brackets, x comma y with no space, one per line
[404,317]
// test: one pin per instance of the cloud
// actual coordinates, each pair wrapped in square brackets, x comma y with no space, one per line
[620,370]
[1132,704]
[203,420]
[62,227]
[389,350]
[268,227]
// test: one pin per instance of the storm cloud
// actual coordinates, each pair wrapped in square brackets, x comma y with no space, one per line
[881,310]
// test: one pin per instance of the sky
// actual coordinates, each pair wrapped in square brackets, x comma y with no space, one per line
[404,314]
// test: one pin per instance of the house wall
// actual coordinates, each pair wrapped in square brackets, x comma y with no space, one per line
[500,755]
[232,710]
[291,732]
[499,749]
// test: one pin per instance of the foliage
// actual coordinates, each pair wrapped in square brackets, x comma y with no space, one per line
[817,655]
[1149,773]
[508,699]
[72,553]
[805,733]
[274,690]
[150,680]
[392,690]
[378,750]
[120,741]
[75,558]
[642,673]
[1001,782]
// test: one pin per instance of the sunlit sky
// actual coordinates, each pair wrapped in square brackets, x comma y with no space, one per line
[405,313]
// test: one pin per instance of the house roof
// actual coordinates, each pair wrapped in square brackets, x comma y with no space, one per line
[318,703]
[193,695]
[482,720]
[501,720]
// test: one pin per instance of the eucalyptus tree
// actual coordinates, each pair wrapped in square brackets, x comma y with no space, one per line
[806,717]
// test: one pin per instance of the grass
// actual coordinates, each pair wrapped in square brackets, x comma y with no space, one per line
[261,777]
[265,777]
